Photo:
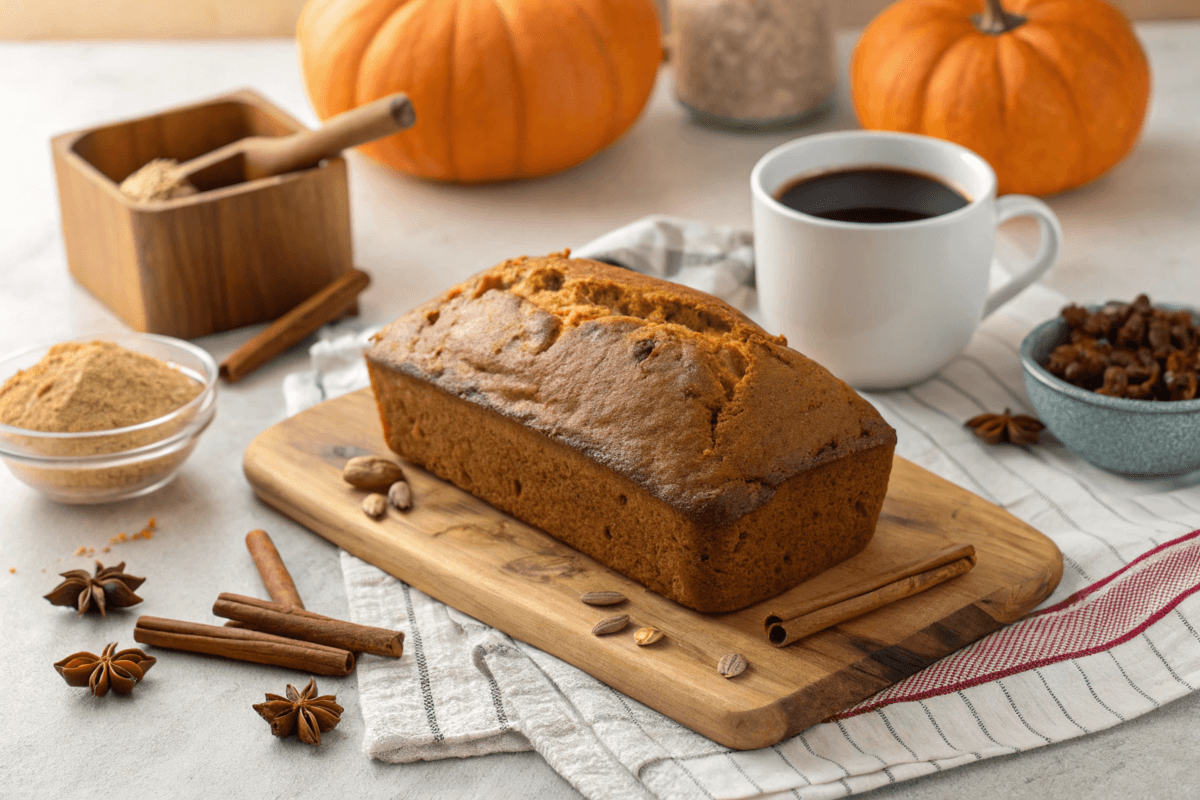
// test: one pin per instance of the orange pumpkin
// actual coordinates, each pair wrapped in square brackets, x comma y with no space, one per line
[501,88]
[1051,92]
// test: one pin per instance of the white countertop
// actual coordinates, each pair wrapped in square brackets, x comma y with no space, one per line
[189,729]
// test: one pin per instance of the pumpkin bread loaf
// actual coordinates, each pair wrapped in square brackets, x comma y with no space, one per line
[651,426]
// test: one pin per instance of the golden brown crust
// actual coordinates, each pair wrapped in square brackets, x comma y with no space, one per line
[665,386]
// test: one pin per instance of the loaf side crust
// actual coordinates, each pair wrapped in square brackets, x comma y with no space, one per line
[813,520]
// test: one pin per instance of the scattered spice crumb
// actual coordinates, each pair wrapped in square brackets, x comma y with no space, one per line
[145,533]
[12,570]
[121,538]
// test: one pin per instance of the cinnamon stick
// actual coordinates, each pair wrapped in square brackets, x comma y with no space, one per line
[829,610]
[324,306]
[926,562]
[240,644]
[263,615]
[274,572]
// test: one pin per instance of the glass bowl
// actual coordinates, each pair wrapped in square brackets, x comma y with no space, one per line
[1138,438]
[119,463]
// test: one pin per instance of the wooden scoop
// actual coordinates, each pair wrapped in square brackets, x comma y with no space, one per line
[263,156]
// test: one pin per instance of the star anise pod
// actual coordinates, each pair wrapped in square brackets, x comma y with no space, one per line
[301,712]
[1006,427]
[120,671]
[109,587]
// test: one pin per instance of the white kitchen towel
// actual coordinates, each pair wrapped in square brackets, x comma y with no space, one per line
[337,367]
[1118,638]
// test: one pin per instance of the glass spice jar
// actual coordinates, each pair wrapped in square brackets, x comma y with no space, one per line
[752,64]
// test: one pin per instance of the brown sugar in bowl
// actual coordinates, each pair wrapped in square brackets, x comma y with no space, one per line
[103,466]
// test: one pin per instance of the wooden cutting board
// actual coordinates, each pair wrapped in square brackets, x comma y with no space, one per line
[515,577]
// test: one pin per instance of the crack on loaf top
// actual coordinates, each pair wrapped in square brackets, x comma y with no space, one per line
[578,293]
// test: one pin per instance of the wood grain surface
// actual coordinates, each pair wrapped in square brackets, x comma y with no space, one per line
[517,578]
[238,253]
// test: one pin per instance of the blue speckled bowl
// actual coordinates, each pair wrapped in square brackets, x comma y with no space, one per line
[1141,438]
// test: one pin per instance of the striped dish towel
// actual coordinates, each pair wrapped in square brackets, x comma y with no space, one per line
[1118,638]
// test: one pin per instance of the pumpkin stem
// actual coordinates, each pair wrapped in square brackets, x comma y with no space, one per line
[995,21]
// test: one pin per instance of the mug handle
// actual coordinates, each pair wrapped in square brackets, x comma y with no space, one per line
[1020,205]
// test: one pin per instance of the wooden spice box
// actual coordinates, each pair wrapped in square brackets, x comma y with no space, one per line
[243,253]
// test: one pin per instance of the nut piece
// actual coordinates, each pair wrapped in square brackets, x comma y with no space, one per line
[610,625]
[371,472]
[647,635]
[374,505]
[731,665]
[603,598]
[400,495]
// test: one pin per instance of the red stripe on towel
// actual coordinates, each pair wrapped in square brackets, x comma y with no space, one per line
[1110,611]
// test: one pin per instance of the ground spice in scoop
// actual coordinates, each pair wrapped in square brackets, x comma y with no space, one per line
[158,180]
[92,386]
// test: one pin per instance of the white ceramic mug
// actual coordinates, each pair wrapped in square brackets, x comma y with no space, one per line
[885,305]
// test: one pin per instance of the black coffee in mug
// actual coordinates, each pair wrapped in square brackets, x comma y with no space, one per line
[871,195]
